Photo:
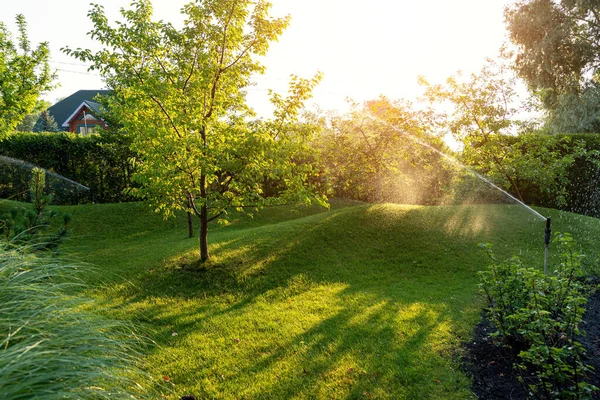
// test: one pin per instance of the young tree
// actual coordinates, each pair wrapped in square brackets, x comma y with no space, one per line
[24,75]
[29,121]
[480,110]
[47,122]
[482,116]
[372,154]
[181,94]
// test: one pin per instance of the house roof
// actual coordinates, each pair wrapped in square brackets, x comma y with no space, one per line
[90,105]
[62,110]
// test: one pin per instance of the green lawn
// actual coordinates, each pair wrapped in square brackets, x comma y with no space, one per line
[362,301]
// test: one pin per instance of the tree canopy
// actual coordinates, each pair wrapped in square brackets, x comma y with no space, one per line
[181,95]
[481,113]
[373,154]
[558,55]
[558,42]
[24,75]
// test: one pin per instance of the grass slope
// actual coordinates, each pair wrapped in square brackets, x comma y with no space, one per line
[363,301]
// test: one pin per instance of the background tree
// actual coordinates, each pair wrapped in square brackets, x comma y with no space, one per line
[482,115]
[480,108]
[24,75]
[29,121]
[575,112]
[558,55]
[371,154]
[47,122]
[181,95]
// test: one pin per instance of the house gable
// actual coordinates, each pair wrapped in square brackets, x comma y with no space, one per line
[83,121]
[63,110]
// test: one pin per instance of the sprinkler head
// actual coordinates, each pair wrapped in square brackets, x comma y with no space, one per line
[548,232]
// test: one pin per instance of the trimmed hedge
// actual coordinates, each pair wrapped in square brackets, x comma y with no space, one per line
[100,162]
[584,177]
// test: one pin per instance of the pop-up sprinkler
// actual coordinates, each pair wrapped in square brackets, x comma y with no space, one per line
[547,242]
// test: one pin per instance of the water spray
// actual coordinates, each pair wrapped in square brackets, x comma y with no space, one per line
[454,161]
[56,181]
[25,164]
[547,243]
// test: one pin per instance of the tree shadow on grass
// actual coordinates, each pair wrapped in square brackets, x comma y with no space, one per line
[347,304]
[355,359]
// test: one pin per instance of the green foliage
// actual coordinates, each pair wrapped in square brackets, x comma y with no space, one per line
[584,175]
[47,122]
[52,346]
[576,113]
[24,75]
[30,120]
[539,317]
[482,109]
[102,162]
[181,95]
[558,43]
[541,166]
[28,226]
[379,152]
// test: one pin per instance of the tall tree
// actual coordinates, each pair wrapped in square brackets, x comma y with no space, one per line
[47,122]
[558,45]
[181,94]
[24,75]
[28,123]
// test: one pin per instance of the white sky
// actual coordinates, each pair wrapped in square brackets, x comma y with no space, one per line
[365,48]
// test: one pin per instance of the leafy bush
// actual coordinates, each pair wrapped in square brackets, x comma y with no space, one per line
[538,317]
[101,162]
[584,177]
[50,346]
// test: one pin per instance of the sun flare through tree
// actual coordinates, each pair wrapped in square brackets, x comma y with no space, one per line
[181,94]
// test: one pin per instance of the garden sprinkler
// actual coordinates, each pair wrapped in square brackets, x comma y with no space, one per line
[547,242]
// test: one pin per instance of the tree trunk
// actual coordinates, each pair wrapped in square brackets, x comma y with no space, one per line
[204,233]
[378,184]
[189,221]
[204,209]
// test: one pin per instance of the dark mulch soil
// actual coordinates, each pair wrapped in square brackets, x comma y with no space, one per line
[491,366]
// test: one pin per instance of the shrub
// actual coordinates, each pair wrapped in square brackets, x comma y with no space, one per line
[538,317]
[100,162]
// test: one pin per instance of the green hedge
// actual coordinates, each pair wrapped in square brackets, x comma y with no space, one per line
[583,188]
[584,177]
[100,162]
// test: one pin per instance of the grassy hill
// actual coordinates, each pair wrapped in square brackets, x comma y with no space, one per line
[362,301]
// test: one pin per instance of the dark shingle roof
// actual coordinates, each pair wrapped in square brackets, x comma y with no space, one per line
[97,107]
[64,108]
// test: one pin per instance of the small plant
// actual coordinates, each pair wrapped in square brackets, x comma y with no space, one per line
[538,317]
[26,225]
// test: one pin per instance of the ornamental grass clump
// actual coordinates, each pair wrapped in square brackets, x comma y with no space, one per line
[51,347]
[539,318]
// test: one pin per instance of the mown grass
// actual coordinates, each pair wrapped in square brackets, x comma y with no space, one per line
[363,301]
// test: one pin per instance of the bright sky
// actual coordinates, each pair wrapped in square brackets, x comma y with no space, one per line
[365,48]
